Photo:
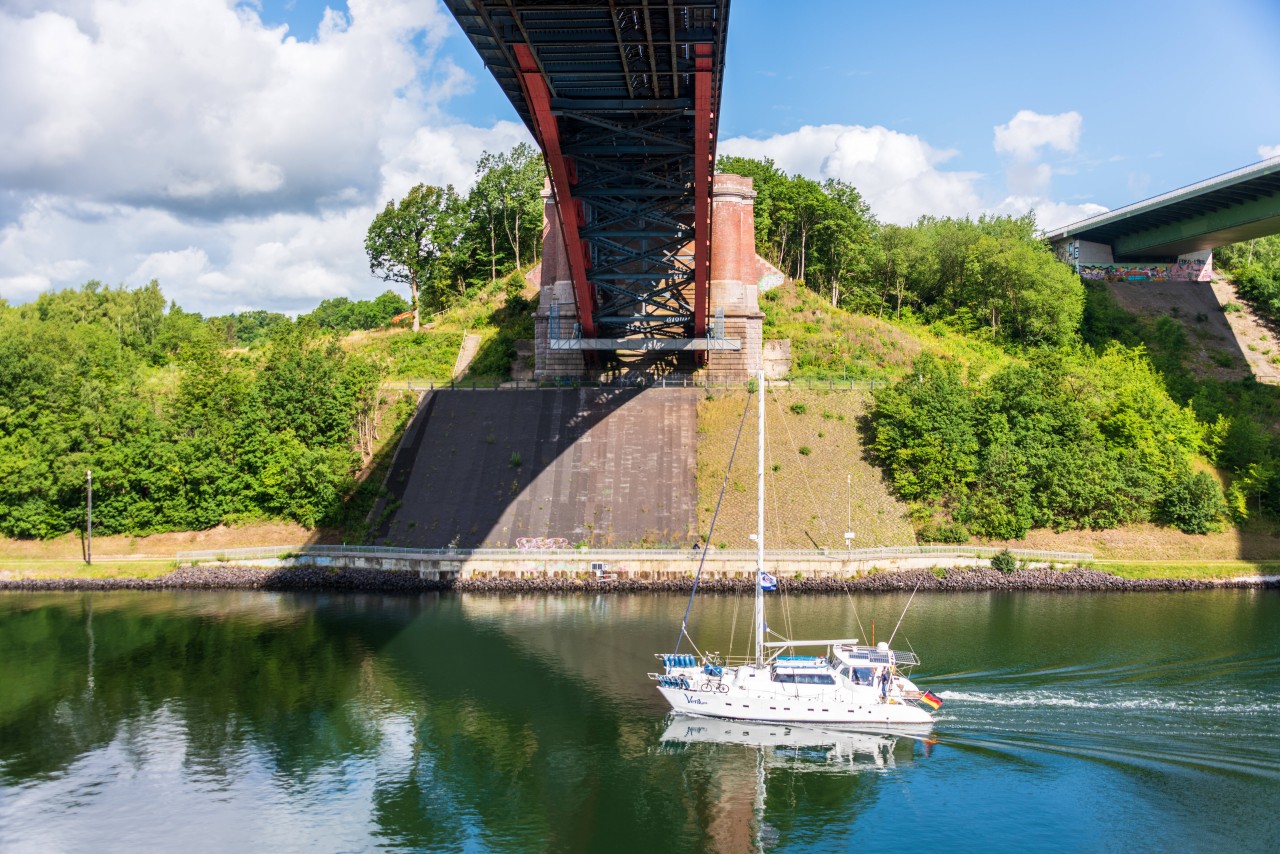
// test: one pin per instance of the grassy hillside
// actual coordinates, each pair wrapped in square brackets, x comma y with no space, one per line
[810,497]
[497,317]
[831,343]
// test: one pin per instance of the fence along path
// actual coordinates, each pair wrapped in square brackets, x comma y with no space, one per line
[270,552]
[493,383]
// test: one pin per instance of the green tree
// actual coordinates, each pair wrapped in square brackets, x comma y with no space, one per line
[843,238]
[506,204]
[923,432]
[894,260]
[405,241]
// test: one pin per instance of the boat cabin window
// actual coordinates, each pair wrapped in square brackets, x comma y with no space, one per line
[861,676]
[804,678]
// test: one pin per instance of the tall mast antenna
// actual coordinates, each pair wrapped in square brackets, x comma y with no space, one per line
[760,530]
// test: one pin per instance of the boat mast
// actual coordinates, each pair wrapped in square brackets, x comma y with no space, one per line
[760,530]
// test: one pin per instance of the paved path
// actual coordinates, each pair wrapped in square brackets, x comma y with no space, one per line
[467,352]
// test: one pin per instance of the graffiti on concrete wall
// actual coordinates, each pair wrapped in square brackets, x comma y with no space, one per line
[1198,270]
[542,543]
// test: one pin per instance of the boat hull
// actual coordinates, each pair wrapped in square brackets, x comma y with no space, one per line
[748,706]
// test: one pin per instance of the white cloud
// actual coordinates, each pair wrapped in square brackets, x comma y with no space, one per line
[1028,132]
[902,178]
[1266,152]
[1028,180]
[897,173]
[192,143]
[1049,214]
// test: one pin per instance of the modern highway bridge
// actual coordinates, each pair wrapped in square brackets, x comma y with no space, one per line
[1181,225]
[623,97]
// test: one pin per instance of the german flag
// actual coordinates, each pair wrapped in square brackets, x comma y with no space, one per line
[931,700]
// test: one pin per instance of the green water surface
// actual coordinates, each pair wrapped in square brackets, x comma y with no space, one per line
[215,721]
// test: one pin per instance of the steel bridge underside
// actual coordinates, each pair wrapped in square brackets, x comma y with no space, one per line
[1237,206]
[623,98]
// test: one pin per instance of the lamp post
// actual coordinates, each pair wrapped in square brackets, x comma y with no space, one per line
[88,477]
[848,533]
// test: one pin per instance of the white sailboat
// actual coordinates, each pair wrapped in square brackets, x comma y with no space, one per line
[837,681]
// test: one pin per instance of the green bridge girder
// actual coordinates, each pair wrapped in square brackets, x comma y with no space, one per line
[1245,221]
[1239,205]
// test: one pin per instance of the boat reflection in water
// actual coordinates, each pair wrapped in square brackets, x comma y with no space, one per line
[744,765]
[797,747]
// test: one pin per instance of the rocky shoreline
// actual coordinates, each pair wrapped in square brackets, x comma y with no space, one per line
[312,578]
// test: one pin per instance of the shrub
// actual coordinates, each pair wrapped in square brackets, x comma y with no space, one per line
[799,408]
[1004,562]
[1231,308]
[1193,503]
[516,460]
[945,532]
[516,284]
[805,450]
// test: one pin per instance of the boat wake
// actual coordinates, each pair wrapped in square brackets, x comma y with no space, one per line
[1200,702]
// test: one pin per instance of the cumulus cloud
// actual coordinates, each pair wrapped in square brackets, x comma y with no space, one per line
[1025,141]
[1266,152]
[897,173]
[1049,214]
[1029,132]
[234,162]
[902,177]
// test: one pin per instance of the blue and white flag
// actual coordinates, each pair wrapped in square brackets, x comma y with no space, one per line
[768,582]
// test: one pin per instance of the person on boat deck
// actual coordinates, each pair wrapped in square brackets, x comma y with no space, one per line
[884,683]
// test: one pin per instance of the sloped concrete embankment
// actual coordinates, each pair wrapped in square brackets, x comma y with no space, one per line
[487,468]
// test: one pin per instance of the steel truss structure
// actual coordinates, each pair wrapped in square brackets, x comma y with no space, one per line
[623,97]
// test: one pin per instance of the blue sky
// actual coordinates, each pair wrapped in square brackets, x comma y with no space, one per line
[204,144]
[1169,92]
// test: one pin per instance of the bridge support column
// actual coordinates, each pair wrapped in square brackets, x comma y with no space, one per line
[736,276]
[556,290]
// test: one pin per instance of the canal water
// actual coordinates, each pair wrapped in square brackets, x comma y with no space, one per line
[213,721]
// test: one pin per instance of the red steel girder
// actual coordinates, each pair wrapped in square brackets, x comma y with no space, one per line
[538,97]
[702,166]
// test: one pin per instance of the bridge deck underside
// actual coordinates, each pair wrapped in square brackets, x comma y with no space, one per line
[620,122]
[1235,207]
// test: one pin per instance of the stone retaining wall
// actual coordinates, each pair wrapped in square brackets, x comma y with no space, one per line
[957,580]
[640,569]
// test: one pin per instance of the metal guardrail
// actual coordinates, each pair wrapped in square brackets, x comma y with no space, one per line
[655,382]
[269,552]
